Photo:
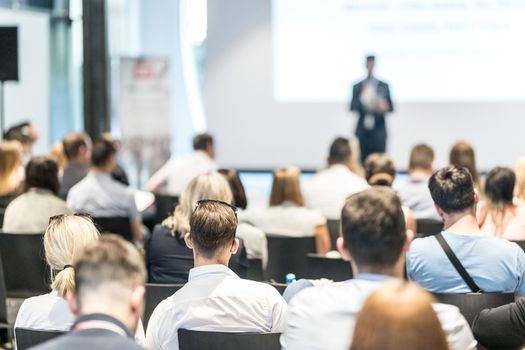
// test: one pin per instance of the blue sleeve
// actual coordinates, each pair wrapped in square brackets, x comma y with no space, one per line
[520,270]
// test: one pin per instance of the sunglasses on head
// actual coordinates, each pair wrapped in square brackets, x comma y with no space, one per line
[61,216]
[202,201]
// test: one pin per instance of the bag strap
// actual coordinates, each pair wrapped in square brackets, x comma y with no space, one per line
[457,264]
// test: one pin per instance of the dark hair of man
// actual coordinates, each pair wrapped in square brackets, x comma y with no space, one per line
[373,227]
[370,58]
[452,189]
[236,186]
[202,141]
[499,186]
[72,143]
[340,151]
[376,165]
[102,152]
[212,226]
[42,172]
[19,132]
[421,157]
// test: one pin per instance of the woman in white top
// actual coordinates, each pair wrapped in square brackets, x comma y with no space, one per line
[64,240]
[287,215]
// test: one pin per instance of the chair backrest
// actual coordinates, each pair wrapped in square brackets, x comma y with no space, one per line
[118,225]
[155,293]
[470,304]
[164,204]
[26,338]
[2,213]
[255,270]
[3,295]
[332,268]
[288,254]
[428,227]
[191,340]
[521,244]
[25,270]
[334,229]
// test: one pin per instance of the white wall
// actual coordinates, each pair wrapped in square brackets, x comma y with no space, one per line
[254,131]
[28,99]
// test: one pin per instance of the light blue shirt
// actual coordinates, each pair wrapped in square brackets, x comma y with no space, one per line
[496,265]
[416,196]
[101,196]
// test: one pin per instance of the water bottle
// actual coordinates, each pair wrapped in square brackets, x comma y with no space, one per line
[290,278]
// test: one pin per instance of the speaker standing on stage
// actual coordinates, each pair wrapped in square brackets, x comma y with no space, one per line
[371,100]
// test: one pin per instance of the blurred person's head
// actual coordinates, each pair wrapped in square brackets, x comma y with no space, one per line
[77,148]
[374,233]
[116,142]
[520,179]
[103,155]
[212,232]
[10,162]
[65,238]
[109,279]
[42,173]
[399,316]
[286,187]
[210,185]
[499,187]
[58,154]
[25,133]
[370,63]
[452,190]
[204,142]
[379,170]
[340,152]
[421,159]
[462,155]
[239,195]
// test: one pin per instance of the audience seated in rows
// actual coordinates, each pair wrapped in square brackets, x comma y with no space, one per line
[374,239]
[11,172]
[168,258]
[25,133]
[498,215]
[462,155]
[215,298]
[174,176]
[107,299]
[415,194]
[380,171]
[287,215]
[30,212]
[494,264]
[77,149]
[399,316]
[99,195]
[254,238]
[327,190]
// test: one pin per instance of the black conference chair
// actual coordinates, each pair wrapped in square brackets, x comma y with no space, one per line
[5,328]
[332,268]
[164,204]
[428,227]
[470,304]
[255,270]
[191,340]
[117,225]
[25,269]
[334,229]
[26,338]
[521,244]
[288,254]
[155,293]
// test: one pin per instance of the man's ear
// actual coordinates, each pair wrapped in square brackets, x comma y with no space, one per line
[187,239]
[235,246]
[440,212]
[345,254]
[137,299]
[72,302]
[408,239]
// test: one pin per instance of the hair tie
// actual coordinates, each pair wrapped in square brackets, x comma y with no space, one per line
[381,179]
[67,266]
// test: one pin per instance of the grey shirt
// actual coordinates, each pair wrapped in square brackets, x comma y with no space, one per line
[416,196]
[73,173]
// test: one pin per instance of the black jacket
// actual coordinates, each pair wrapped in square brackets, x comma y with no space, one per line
[355,105]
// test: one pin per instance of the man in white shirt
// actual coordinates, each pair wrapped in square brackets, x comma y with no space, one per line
[327,190]
[215,298]
[375,240]
[176,174]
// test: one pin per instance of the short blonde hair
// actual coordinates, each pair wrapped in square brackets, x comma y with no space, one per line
[10,161]
[64,240]
[210,185]
[286,186]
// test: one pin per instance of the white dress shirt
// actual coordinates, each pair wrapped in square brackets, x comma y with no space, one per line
[327,190]
[49,312]
[177,173]
[324,317]
[254,241]
[216,299]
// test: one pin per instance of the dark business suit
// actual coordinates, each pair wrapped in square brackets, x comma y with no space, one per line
[373,140]
[93,338]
